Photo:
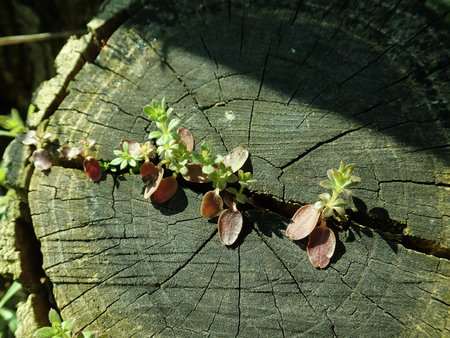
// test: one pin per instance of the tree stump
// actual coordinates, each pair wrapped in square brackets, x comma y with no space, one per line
[301,85]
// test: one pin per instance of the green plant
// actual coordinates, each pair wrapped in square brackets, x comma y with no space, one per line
[63,329]
[8,317]
[14,124]
[130,154]
[311,219]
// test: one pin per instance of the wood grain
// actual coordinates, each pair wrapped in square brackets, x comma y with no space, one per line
[301,86]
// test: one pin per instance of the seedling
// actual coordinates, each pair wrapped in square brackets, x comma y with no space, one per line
[174,151]
[310,220]
[131,153]
[63,329]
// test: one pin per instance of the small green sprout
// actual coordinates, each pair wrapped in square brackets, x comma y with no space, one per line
[339,181]
[63,329]
[244,180]
[206,158]
[173,145]
[14,124]
[310,220]
[125,158]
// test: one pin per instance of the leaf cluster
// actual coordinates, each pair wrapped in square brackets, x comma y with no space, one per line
[339,181]
[8,317]
[63,329]
[125,158]
[14,124]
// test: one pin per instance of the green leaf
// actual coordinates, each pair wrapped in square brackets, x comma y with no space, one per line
[12,290]
[116,161]
[162,140]
[175,136]
[125,147]
[326,184]
[206,146]
[208,169]
[169,112]
[7,133]
[155,134]
[123,164]
[132,162]
[13,323]
[173,124]
[67,325]
[232,179]
[331,177]
[53,316]
[31,110]
[241,198]
[233,191]
[149,111]
[221,184]
[117,152]
[184,170]
[197,158]
[7,314]
[45,332]
[16,117]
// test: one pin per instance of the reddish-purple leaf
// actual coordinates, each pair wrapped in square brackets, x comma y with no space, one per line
[187,137]
[133,146]
[166,189]
[195,174]
[230,225]
[212,204]
[303,222]
[92,169]
[236,158]
[70,152]
[41,159]
[321,245]
[153,175]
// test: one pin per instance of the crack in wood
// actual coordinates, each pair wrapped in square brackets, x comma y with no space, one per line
[106,68]
[319,144]
[97,284]
[239,291]
[195,253]
[280,321]
[285,268]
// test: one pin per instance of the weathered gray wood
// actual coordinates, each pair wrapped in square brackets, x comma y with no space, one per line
[304,86]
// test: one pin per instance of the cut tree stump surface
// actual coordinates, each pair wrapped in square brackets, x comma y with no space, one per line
[301,86]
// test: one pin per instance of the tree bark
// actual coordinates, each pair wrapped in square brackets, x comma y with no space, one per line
[301,86]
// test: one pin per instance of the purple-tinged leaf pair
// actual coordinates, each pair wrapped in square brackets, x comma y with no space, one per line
[230,220]
[321,241]
[41,158]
